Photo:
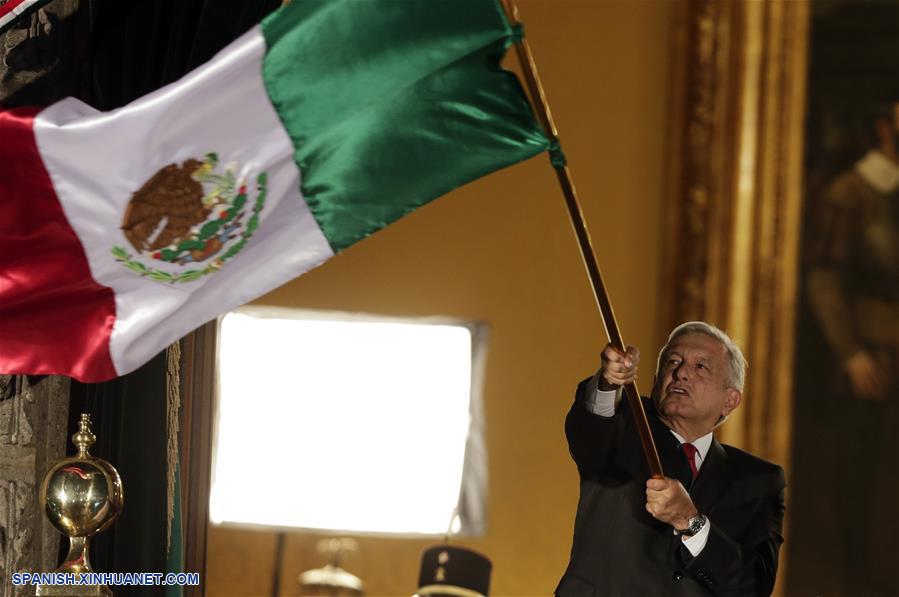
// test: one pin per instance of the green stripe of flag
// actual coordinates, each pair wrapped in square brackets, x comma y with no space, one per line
[393,103]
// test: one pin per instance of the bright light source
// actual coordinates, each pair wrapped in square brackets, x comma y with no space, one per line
[350,425]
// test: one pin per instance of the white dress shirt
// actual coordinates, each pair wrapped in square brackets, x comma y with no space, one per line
[879,171]
[603,404]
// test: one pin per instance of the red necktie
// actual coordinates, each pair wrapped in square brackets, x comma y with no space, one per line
[690,450]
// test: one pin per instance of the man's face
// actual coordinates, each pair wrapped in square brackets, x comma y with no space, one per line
[692,382]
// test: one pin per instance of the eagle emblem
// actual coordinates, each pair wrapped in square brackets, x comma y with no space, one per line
[187,220]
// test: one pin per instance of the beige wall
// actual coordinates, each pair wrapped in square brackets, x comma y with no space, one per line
[500,251]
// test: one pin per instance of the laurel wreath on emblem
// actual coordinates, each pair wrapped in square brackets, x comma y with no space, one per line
[189,214]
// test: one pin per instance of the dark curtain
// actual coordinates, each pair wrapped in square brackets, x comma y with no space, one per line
[141,46]
[129,420]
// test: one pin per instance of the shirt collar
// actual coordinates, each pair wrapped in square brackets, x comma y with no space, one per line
[878,171]
[702,444]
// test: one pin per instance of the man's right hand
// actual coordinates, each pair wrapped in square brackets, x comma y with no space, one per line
[618,369]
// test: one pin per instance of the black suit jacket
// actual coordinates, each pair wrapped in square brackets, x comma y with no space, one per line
[619,549]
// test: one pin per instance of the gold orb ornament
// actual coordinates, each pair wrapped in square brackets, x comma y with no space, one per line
[82,496]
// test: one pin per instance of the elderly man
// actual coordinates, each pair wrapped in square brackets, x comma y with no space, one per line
[713,527]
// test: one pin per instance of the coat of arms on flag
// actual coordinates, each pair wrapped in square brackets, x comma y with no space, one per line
[192,218]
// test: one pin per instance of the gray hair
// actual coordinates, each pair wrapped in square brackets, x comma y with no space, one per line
[736,360]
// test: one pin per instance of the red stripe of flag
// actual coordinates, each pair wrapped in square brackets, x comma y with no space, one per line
[54,318]
[7,8]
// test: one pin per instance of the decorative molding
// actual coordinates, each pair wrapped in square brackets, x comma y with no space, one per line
[698,180]
[33,428]
[37,61]
[16,535]
[7,383]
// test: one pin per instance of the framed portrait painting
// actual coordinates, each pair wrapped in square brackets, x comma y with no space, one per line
[783,228]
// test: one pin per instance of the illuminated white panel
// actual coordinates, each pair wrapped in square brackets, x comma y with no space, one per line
[347,425]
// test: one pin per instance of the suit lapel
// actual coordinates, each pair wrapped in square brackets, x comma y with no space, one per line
[669,451]
[712,480]
[672,458]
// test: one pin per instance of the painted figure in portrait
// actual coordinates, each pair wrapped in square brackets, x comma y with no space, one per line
[845,528]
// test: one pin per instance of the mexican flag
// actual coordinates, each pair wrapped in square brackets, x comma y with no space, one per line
[122,231]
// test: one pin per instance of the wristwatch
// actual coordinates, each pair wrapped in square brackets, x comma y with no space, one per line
[694,525]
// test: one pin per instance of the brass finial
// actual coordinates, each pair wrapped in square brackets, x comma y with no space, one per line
[84,438]
[81,496]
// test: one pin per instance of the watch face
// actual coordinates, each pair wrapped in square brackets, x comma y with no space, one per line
[696,524]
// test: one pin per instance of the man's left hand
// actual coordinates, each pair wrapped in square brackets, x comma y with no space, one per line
[668,501]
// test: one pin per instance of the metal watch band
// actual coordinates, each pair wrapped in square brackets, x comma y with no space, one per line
[694,525]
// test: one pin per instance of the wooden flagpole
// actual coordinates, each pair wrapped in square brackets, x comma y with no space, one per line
[541,108]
